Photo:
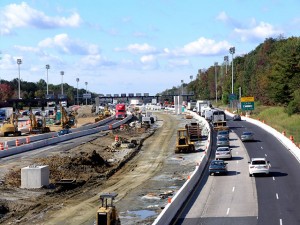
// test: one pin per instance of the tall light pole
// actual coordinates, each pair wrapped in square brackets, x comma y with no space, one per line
[226,62]
[191,77]
[86,83]
[216,64]
[232,51]
[47,68]
[62,86]
[19,62]
[181,87]
[77,80]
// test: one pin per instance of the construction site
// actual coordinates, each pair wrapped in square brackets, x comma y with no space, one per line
[101,163]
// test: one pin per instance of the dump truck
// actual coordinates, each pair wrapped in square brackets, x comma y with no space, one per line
[219,120]
[194,131]
[11,127]
[183,141]
[107,213]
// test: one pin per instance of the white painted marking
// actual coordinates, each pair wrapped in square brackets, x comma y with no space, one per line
[227,211]
[270,164]
[237,161]
[273,178]
[277,196]
[280,221]
[266,155]
[261,147]
[233,189]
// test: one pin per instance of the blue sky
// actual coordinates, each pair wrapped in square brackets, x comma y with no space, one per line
[133,46]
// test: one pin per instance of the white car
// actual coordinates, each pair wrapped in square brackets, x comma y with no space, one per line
[259,166]
[223,153]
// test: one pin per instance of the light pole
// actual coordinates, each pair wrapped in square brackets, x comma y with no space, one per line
[47,68]
[191,77]
[62,86]
[19,62]
[77,80]
[86,83]
[181,87]
[216,64]
[226,62]
[232,51]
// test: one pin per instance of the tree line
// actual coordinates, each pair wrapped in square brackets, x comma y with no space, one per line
[270,73]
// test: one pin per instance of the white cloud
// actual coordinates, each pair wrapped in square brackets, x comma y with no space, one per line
[149,62]
[139,49]
[63,43]
[179,63]
[202,46]
[222,17]
[22,15]
[257,32]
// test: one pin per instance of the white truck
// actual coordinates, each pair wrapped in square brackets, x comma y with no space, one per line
[200,104]
[5,113]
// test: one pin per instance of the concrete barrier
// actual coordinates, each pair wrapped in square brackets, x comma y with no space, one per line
[170,210]
[42,140]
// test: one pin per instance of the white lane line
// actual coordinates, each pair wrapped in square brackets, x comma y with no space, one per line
[273,178]
[277,196]
[266,155]
[280,221]
[227,211]
[261,147]
[233,189]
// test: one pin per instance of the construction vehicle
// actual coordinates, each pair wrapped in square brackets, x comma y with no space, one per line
[11,127]
[38,126]
[67,120]
[103,114]
[194,131]
[107,213]
[121,111]
[184,143]
[219,120]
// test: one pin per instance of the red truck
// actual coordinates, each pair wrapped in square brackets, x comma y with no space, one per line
[120,111]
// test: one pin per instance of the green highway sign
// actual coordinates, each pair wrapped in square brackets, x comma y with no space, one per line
[247,105]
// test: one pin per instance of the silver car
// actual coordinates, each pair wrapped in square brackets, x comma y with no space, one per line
[223,153]
[247,136]
[222,141]
[223,133]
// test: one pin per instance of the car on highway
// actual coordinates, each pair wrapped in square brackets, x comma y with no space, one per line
[63,132]
[217,167]
[236,117]
[259,166]
[222,141]
[247,136]
[223,133]
[223,153]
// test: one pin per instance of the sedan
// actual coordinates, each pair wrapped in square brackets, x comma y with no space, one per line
[259,166]
[223,133]
[63,132]
[217,167]
[247,136]
[236,118]
[223,153]
[222,141]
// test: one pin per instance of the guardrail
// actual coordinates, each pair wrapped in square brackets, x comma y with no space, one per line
[42,140]
[175,203]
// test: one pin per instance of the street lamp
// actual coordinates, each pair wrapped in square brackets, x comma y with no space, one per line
[191,77]
[77,80]
[86,83]
[19,62]
[62,87]
[47,68]
[216,64]
[232,51]
[181,87]
[226,62]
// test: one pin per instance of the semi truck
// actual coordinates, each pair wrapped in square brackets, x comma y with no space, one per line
[5,113]
[121,111]
[219,120]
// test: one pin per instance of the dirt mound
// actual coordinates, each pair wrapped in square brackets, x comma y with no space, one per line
[85,158]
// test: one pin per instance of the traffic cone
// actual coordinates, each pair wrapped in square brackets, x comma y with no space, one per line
[1,146]
[283,133]
[169,199]
[110,126]
[116,138]
[27,140]
[17,142]
[292,138]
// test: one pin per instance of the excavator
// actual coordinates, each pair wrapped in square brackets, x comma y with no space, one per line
[38,126]
[107,213]
[10,128]
[103,114]
[67,120]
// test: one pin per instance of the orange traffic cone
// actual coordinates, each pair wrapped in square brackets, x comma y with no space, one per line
[27,140]
[17,142]
[116,138]
[292,138]
[1,146]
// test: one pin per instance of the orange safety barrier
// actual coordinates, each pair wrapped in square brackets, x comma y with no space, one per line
[27,140]
[283,133]
[116,138]
[1,146]
[17,142]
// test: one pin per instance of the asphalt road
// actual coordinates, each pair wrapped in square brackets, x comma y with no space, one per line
[240,199]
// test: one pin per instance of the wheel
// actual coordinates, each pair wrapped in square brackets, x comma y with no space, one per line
[250,175]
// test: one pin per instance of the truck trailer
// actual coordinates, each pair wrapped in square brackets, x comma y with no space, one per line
[121,111]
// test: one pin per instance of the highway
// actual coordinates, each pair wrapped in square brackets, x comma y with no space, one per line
[239,199]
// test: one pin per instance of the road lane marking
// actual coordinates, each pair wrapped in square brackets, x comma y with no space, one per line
[280,221]
[227,211]
[266,155]
[273,178]
[277,196]
[261,147]
[233,189]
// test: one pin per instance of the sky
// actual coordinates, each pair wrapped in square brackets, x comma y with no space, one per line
[133,46]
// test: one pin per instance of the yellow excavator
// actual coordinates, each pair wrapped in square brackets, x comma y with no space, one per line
[67,120]
[103,114]
[38,126]
[184,143]
[10,128]
[107,213]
